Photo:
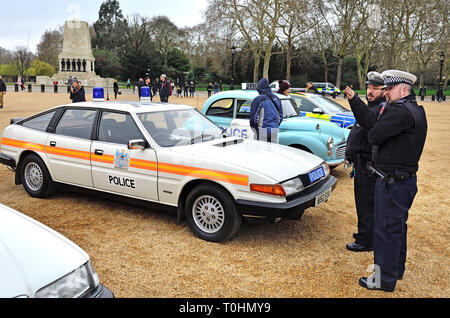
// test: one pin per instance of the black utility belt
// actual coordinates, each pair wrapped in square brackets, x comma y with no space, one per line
[399,176]
[389,177]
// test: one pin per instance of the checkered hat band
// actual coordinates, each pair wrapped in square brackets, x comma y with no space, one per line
[375,82]
[396,80]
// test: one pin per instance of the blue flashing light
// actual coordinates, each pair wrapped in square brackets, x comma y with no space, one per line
[98,94]
[145,92]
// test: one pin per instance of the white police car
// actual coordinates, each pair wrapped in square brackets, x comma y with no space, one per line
[166,154]
[37,262]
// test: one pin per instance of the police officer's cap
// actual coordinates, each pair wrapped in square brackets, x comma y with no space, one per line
[374,78]
[394,77]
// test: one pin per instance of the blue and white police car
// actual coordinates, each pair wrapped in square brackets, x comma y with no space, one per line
[323,108]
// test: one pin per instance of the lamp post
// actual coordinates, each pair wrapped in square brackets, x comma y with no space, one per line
[441,60]
[233,53]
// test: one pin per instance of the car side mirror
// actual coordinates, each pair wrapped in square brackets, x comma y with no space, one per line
[136,144]
[317,111]
[15,120]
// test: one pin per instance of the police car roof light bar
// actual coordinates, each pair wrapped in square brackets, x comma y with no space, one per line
[98,94]
[145,95]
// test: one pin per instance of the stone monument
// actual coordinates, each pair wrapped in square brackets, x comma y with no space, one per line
[76,58]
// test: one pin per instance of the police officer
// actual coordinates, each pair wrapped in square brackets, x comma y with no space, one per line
[359,152]
[398,137]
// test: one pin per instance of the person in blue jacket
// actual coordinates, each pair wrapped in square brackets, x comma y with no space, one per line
[266,113]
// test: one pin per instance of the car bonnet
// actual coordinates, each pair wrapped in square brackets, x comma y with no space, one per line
[275,161]
[32,255]
[311,124]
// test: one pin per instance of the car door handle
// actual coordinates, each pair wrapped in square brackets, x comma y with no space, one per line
[99,152]
[234,124]
[52,143]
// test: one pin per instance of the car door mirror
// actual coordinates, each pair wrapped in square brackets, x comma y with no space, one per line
[317,111]
[136,144]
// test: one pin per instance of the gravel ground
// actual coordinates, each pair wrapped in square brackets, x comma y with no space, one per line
[141,252]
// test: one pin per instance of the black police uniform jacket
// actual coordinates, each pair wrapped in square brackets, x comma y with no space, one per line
[357,143]
[398,136]
[78,96]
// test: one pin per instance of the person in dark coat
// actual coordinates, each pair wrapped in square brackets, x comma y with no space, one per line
[116,89]
[311,89]
[398,137]
[439,94]
[2,91]
[139,85]
[359,152]
[77,93]
[216,88]
[164,90]
[155,87]
[186,89]
[192,89]
[210,87]
[266,113]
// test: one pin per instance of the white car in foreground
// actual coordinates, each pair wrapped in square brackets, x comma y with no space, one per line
[166,154]
[37,262]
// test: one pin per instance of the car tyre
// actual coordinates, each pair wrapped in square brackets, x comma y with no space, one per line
[211,213]
[35,177]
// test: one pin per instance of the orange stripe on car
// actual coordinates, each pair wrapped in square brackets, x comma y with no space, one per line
[134,163]
[23,144]
[204,173]
[103,159]
[71,153]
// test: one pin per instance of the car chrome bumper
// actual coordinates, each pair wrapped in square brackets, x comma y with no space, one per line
[295,204]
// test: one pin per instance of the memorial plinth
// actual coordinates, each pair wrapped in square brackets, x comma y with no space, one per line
[76,58]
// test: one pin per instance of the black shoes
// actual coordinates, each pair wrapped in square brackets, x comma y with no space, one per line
[367,282]
[355,247]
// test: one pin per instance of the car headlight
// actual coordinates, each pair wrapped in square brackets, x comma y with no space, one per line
[326,169]
[72,285]
[330,143]
[292,186]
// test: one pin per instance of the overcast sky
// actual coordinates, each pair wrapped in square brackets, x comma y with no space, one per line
[22,23]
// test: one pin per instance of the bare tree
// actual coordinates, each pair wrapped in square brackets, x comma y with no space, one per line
[50,46]
[166,36]
[294,23]
[365,40]
[22,59]
[343,20]
[256,21]
[6,56]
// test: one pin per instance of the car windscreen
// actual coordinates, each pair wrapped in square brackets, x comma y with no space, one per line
[179,127]
[289,108]
[329,105]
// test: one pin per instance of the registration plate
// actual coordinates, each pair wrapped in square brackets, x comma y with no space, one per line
[324,197]
[316,175]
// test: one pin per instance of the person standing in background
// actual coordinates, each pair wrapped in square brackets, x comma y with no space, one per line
[2,91]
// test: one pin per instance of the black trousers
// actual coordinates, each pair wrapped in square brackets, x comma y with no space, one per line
[364,186]
[392,204]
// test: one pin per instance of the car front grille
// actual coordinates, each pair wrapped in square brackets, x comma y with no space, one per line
[340,152]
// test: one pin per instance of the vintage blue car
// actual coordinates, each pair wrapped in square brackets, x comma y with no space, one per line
[231,110]
[320,107]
